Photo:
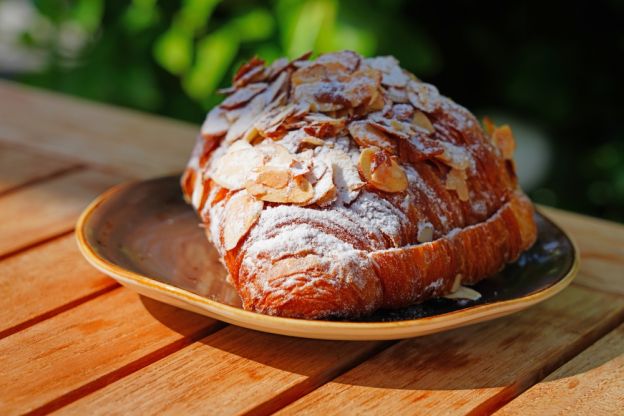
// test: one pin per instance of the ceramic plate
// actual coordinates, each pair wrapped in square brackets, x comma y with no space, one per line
[145,236]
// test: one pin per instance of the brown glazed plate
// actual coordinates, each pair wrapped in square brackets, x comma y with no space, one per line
[146,237]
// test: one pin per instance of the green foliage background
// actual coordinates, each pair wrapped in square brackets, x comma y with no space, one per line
[557,64]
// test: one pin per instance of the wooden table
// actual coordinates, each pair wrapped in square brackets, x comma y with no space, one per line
[75,342]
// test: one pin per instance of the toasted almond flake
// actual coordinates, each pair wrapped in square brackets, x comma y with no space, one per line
[277,67]
[298,191]
[488,125]
[403,112]
[454,156]
[325,191]
[240,214]
[348,60]
[464,293]
[456,181]
[366,135]
[233,168]
[301,191]
[423,96]
[345,174]
[243,95]
[247,119]
[397,95]
[216,124]
[456,282]
[421,121]
[249,71]
[396,77]
[273,178]
[503,139]
[382,171]
[425,232]
[320,125]
[310,74]
[277,87]
[312,141]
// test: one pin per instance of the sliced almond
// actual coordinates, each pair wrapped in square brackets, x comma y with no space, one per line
[345,174]
[301,191]
[348,60]
[232,169]
[454,156]
[425,232]
[422,123]
[366,135]
[503,139]
[247,118]
[240,214]
[464,293]
[249,71]
[310,74]
[456,181]
[382,171]
[320,125]
[216,124]
[423,96]
[488,125]
[298,191]
[273,178]
[243,95]
[397,95]
[325,191]
[456,282]
[312,141]
[403,112]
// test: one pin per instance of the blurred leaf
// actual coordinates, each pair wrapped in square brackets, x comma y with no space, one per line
[194,14]
[258,24]
[140,15]
[174,50]
[88,13]
[313,19]
[355,39]
[215,54]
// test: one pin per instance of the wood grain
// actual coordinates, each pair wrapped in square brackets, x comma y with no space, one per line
[233,371]
[45,280]
[88,347]
[48,208]
[602,249]
[473,369]
[122,140]
[19,167]
[590,384]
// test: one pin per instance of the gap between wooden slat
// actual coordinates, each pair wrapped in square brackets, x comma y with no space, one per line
[596,289]
[121,372]
[53,312]
[53,175]
[500,399]
[36,244]
[299,390]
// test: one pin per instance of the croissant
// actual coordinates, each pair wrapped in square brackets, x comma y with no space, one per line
[338,186]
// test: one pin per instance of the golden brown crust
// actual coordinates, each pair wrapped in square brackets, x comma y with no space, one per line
[336,187]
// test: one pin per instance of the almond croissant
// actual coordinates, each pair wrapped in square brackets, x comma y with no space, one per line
[335,187]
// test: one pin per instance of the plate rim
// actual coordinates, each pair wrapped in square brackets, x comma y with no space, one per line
[337,330]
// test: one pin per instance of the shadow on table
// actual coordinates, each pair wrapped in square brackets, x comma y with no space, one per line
[460,359]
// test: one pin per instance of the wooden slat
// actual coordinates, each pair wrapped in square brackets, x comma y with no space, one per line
[19,167]
[233,371]
[122,140]
[590,384]
[602,249]
[474,369]
[45,280]
[47,208]
[89,346]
